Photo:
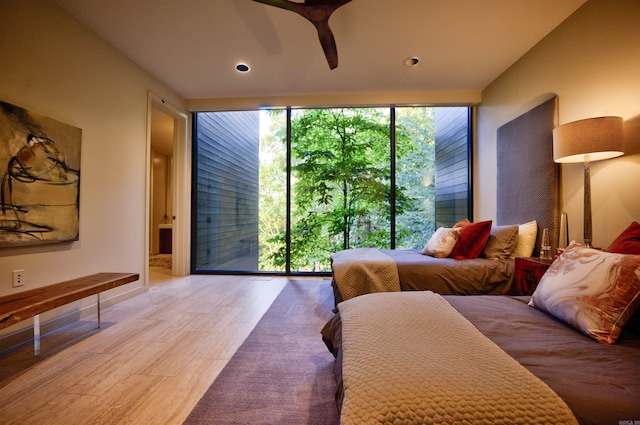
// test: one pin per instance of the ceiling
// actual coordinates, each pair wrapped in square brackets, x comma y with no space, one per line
[193,46]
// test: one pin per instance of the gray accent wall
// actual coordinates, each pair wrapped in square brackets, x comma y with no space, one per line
[453,197]
[226,161]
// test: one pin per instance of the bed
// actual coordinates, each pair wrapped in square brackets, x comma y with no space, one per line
[476,266]
[570,353]
[361,271]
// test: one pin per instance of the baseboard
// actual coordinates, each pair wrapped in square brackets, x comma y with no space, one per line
[24,335]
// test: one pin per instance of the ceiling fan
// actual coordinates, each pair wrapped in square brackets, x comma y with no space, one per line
[318,13]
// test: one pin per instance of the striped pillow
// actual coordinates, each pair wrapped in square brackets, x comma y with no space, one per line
[501,243]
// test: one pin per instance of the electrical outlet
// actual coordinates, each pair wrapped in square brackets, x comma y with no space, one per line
[18,278]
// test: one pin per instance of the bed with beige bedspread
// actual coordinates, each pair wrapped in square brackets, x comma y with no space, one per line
[443,371]
[569,352]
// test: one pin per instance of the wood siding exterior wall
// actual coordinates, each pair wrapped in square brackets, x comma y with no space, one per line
[453,169]
[226,163]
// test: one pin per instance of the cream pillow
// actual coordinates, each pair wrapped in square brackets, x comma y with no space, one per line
[527,233]
[442,242]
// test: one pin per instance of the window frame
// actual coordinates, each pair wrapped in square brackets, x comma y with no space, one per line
[288,110]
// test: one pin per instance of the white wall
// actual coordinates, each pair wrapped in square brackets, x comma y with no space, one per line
[592,62]
[52,65]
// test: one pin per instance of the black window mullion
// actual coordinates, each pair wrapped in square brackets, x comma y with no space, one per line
[288,215]
[392,182]
[470,132]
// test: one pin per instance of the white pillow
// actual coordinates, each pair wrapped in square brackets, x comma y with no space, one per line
[527,233]
[442,242]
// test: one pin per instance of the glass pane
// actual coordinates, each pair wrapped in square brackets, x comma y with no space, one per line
[232,153]
[415,176]
[453,189]
[273,190]
[340,183]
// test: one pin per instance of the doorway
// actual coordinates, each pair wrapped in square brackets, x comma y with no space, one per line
[161,192]
[168,192]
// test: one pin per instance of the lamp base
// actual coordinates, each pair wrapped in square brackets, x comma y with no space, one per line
[587,203]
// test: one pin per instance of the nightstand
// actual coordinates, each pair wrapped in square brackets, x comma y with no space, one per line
[529,271]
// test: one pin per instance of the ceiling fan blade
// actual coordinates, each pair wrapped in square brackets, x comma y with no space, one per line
[318,13]
[328,43]
[282,4]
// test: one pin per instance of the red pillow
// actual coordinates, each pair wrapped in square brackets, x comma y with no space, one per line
[628,242]
[472,240]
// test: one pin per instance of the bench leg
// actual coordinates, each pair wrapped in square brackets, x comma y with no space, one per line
[98,295]
[36,335]
[36,329]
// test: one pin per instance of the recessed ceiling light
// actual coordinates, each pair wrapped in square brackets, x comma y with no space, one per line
[411,61]
[241,67]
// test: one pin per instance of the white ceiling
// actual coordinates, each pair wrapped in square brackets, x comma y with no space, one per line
[193,46]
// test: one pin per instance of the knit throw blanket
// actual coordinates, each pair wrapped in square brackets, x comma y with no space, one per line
[411,358]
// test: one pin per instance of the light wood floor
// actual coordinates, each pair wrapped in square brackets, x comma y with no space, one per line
[152,360]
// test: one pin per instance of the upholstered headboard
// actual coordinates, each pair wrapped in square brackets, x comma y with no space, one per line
[528,179]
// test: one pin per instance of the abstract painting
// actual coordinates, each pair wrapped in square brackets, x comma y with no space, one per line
[40,186]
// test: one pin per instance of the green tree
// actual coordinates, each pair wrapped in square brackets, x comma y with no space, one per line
[341,184]
[415,174]
[272,193]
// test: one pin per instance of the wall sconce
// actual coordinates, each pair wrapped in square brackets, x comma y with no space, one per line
[588,140]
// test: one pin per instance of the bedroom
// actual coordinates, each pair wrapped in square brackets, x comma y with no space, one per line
[99,90]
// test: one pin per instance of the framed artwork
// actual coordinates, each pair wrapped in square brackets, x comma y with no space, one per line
[40,187]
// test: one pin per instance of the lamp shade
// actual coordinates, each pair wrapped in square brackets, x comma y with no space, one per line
[591,139]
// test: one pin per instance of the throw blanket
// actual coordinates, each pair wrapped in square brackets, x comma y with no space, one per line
[364,270]
[411,358]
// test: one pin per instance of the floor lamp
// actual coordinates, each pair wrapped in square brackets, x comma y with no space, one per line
[588,140]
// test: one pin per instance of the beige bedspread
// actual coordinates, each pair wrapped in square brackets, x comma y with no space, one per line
[363,271]
[411,358]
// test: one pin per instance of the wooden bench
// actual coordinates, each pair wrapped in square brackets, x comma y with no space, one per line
[23,305]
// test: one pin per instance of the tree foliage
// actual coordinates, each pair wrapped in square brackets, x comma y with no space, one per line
[415,174]
[341,184]
[272,193]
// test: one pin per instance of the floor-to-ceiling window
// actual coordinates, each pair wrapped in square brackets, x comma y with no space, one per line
[277,191]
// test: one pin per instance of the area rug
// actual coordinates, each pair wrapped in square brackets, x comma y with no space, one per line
[283,372]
